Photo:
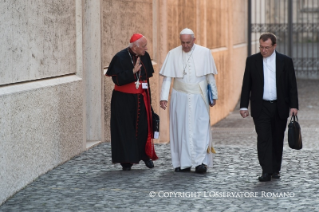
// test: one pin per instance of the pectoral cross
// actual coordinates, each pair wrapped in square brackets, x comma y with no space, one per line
[137,83]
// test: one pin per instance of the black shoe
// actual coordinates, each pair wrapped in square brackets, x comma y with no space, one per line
[149,163]
[178,169]
[264,177]
[276,175]
[126,166]
[201,169]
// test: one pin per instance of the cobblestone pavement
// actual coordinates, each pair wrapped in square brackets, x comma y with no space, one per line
[89,182]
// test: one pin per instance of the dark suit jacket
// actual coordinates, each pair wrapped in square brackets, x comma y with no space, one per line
[253,85]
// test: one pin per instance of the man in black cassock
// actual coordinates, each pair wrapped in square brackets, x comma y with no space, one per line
[131,111]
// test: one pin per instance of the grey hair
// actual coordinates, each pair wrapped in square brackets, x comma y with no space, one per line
[136,43]
[192,35]
[132,44]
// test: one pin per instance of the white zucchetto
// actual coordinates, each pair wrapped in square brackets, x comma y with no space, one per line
[186,31]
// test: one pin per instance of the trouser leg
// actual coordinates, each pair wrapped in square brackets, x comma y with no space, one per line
[265,125]
[278,133]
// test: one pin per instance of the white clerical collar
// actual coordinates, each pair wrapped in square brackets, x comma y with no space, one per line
[271,58]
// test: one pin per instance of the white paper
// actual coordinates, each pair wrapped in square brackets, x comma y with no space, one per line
[156,135]
[144,85]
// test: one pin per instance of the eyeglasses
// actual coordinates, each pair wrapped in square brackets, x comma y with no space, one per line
[266,47]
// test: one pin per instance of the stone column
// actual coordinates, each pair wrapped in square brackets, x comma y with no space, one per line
[92,60]
[162,50]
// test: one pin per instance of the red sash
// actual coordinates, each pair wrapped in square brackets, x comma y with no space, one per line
[131,88]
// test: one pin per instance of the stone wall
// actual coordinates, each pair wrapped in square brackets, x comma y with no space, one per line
[37,40]
[41,89]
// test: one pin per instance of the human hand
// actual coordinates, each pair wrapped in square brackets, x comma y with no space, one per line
[244,113]
[137,66]
[214,103]
[163,104]
[293,111]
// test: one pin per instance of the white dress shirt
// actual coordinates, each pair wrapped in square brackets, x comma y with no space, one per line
[270,89]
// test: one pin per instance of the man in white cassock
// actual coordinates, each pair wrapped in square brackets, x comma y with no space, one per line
[193,68]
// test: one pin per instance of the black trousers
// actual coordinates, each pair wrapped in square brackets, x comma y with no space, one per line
[270,137]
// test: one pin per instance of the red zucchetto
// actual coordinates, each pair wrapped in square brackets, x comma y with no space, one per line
[135,37]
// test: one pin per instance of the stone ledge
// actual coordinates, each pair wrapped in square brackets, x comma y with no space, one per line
[27,86]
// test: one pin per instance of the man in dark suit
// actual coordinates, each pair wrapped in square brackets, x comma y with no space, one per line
[270,84]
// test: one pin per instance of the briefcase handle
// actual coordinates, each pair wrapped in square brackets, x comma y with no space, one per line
[294,117]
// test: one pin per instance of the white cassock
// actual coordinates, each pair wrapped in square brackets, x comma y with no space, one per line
[190,132]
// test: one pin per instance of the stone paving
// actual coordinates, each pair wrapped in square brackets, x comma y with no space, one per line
[90,182]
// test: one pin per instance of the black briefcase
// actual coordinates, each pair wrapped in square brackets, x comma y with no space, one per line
[294,133]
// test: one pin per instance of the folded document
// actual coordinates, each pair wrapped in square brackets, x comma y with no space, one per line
[210,94]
